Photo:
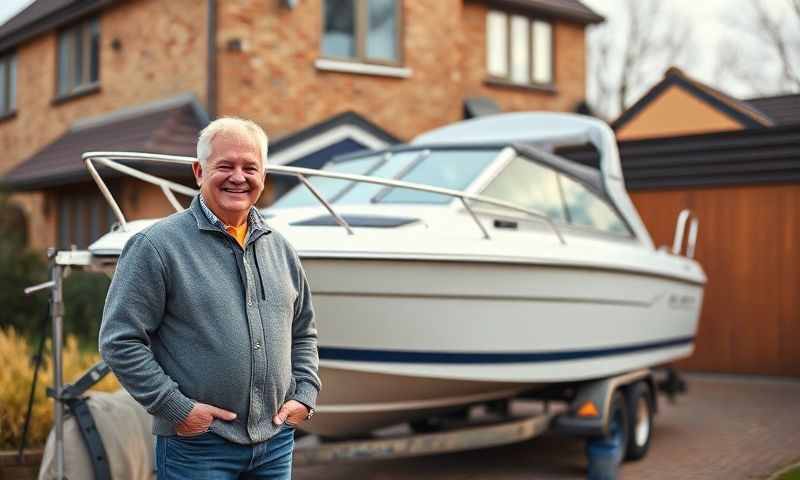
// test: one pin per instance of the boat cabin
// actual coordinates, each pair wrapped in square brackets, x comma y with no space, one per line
[570,194]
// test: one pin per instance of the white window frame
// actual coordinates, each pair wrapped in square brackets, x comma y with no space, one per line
[361,22]
[502,45]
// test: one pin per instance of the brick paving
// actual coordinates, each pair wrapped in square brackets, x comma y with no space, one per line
[725,428]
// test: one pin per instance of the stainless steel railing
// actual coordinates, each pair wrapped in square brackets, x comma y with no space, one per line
[112,160]
[680,228]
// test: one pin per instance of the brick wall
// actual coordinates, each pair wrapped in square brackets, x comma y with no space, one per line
[273,80]
[162,54]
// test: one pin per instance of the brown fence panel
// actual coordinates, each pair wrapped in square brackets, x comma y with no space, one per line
[748,246]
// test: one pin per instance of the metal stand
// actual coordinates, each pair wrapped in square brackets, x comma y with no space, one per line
[57,314]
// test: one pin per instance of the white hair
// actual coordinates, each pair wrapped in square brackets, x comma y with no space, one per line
[231,124]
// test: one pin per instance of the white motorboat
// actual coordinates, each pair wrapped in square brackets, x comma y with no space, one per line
[470,265]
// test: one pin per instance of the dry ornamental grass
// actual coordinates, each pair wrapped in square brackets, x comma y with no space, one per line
[16,375]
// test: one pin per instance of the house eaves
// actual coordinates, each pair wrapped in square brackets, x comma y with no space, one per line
[570,10]
[769,155]
[738,110]
[344,125]
[42,16]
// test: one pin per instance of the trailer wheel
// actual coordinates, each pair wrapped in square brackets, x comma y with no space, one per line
[639,400]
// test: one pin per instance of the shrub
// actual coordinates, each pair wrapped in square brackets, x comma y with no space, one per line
[84,297]
[16,376]
[19,268]
[84,292]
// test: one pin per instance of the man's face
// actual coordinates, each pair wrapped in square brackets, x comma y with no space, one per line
[233,177]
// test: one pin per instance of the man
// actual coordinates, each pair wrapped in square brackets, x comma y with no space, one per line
[209,325]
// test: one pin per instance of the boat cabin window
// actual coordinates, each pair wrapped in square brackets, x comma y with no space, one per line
[300,196]
[587,210]
[454,169]
[363,192]
[528,185]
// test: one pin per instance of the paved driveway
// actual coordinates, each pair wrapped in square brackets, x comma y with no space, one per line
[725,428]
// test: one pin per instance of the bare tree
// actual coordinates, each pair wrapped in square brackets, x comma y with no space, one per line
[763,50]
[630,52]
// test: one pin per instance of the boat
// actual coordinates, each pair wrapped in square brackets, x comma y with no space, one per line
[470,265]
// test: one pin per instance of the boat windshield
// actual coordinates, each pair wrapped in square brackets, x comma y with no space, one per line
[450,168]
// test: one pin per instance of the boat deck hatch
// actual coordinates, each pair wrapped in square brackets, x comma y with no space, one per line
[370,221]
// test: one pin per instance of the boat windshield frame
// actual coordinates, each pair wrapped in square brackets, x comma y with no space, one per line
[112,160]
[383,156]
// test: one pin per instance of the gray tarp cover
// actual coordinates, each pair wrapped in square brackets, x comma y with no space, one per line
[125,428]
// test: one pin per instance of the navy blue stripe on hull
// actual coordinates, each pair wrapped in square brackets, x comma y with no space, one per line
[399,356]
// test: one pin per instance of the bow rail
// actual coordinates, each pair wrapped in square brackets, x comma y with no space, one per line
[112,160]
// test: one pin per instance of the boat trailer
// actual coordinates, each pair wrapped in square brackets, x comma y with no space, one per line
[613,414]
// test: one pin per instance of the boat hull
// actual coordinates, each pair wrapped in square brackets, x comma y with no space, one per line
[403,339]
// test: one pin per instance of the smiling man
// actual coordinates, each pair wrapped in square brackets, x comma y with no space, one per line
[208,323]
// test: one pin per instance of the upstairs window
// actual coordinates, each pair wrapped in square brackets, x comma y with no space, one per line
[78,57]
[519,49]
[8,84]
[366,31]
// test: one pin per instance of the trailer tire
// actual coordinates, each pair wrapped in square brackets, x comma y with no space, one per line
[640,405]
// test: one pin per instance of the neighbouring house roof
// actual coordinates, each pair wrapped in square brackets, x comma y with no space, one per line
[572,10]
[740,111]
[44,15]
[741,157]
[168,127]
[782,109]
[327,133]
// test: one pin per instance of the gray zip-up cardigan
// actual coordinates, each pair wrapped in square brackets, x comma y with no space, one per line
[192,316]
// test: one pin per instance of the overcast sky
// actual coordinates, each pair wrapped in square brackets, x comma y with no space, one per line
[715,25]
[10,7]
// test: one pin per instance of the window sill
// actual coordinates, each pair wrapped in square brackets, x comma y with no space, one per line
[9,115]
[361,68]
[77,93]
[544,88]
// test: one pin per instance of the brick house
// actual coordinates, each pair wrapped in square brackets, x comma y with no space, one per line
[148,74]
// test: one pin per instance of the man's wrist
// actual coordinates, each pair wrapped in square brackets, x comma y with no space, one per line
[176,407]
[309,410]
[305,393]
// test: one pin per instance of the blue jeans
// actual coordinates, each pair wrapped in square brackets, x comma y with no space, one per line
[210,457]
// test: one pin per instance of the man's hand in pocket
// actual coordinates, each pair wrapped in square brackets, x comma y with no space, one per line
[200,418]
[293,413]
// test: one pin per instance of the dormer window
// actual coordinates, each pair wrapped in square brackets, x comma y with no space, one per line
[364,31]
[8,84]
[519,49]
[78,57]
